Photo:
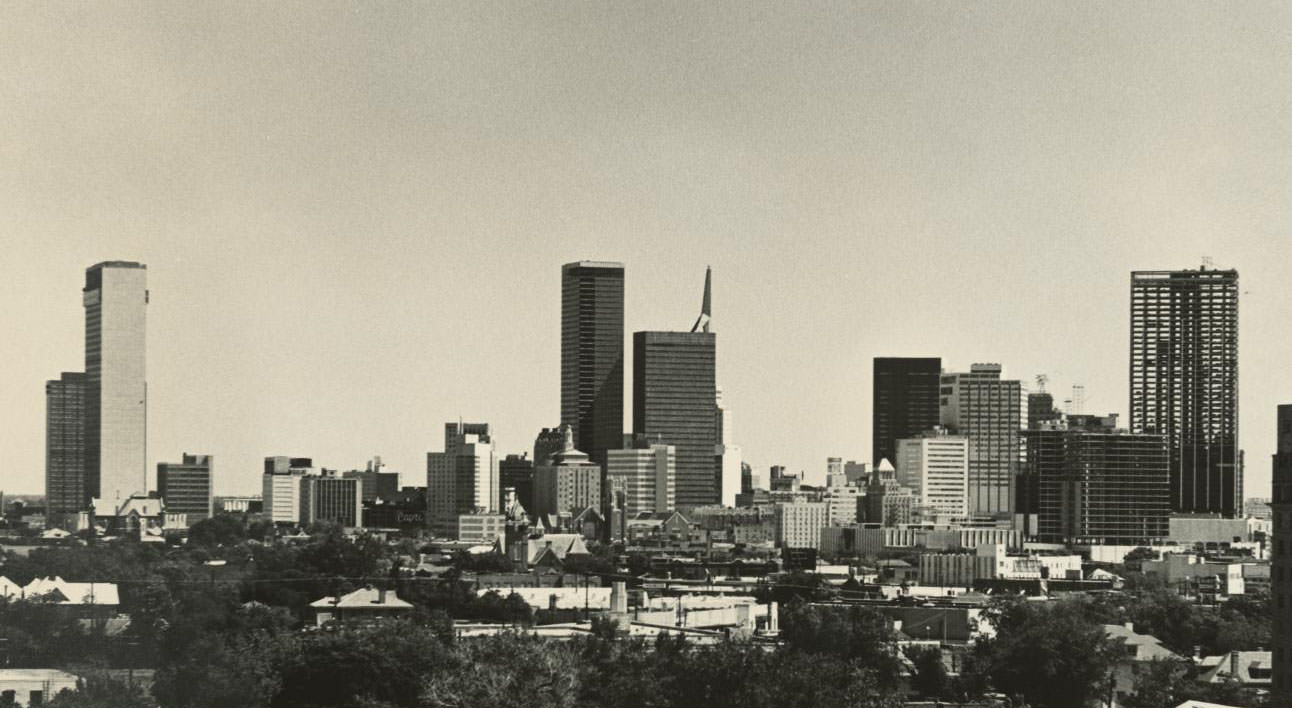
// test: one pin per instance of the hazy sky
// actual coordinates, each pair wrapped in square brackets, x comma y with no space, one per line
[354,215]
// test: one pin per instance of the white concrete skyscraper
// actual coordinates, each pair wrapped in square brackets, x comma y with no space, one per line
[116,394]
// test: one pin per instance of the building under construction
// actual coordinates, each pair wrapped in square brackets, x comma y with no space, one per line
[1184,381]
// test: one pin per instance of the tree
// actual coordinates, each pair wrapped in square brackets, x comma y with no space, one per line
[218,530]
[1051,653]
[850,632]
[929,676]
[101,691]
[1158,685]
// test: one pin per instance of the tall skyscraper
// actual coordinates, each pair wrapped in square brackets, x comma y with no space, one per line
[185,487]
[987,410]
[65,491]
[674,399]
[592,355]
[1280,602]
[116,395]
[904,402]
[464,478]
[1184,381]
[1096,484]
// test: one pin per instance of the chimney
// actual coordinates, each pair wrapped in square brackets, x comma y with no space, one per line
[619,597]
[551,602]
[381,596]
[1130,626]
[1233,666]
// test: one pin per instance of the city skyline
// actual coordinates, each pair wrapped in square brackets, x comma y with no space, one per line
[337,277]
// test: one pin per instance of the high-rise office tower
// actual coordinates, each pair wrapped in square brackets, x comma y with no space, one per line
[987,410]
[331,498]
[674,398]
[935,467]
[281,487]
[592,355]
[65,491]
[1280,602]
[185,487]
[1096,484]
[464,478]
[1184,381]
[116,395]
[904,402]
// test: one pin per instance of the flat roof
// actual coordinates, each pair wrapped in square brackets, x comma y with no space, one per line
[116,264]
[593,264]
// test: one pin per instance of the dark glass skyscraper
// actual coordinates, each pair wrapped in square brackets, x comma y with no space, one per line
[905,402]
[65,491]
[1097,484]
[1280,602]
[674,398]
[592,355]
[1184,381]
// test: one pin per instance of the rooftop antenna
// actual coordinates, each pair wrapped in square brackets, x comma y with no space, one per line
[705,311]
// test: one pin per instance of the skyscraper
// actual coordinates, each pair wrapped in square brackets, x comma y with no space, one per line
[1280,602]
[464,478]
[65,447]
[185,487]
[116,395]
[1184,381]
[935,467]
[1096,484]
[674,403]
[642,479]
[987,410]
[592,355]
[904,402]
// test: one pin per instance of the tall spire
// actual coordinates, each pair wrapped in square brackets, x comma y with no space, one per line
[705,310]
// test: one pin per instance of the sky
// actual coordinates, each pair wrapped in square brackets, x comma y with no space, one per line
[354,214]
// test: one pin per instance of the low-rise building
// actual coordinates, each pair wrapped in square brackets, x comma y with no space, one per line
[363,605]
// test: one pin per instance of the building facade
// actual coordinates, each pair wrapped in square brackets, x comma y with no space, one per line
[333,499]
[281,487]
[463,479]
[642,480]
[799,524]
[65,491]
[516,472]
[1184,381]
[570,482]
[987,410]
[904,401]
[1281,559]
[1098,484]
[727,455]
[935,467]
[592,355]
[116,393]
[674,403]
[185,487]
